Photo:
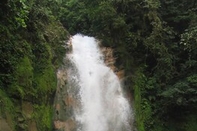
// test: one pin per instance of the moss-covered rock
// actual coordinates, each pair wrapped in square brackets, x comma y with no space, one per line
[31,50]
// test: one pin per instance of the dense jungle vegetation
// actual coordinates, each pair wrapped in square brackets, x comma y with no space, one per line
[154,41]
[31,39]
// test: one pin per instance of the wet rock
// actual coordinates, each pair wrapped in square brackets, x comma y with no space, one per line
[27,109]
[4,126]
[110,60]
[68,125]
[32,126]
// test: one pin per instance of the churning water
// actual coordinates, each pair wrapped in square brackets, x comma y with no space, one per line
[102,106]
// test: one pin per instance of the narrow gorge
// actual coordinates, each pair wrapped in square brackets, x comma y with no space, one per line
[133,69]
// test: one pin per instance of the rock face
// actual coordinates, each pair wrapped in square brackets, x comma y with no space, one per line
[24,119]
[64,103]
[4,126]
[110,61]
[27,111]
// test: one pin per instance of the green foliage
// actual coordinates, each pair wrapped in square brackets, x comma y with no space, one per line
[190,125]
[23,75]
[17,10]
[142,106]
[7,107]
[183,92]
[45,84]
[154,35]
[43,116]
[139,118]
[158,36]
[22,14]
[31,49]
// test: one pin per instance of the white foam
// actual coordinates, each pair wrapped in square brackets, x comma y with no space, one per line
[103,106]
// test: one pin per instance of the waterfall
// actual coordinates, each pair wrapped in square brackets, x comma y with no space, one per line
[100,104]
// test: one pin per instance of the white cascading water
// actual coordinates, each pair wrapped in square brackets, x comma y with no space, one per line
[102,104]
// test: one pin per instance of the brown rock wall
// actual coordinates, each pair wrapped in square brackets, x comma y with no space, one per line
[110,60]
[4,126]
